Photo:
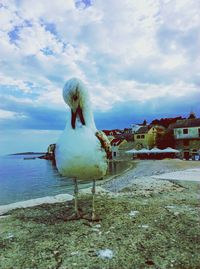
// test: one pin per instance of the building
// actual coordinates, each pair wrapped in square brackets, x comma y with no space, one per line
[135,127]
[127,134]
[145,136]
[111,134]
[187,137]
[117,147]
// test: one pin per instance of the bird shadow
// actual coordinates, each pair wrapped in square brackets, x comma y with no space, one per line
[51,214]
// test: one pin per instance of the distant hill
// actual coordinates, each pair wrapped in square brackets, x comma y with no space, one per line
[28,153]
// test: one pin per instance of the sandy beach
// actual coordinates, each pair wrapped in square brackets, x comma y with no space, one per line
[150,219]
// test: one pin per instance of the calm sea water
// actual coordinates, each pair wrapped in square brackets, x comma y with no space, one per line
[27,179]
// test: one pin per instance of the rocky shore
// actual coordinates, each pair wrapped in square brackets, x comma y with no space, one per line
[146,223]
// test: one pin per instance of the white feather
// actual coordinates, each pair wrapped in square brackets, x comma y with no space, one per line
[78,151]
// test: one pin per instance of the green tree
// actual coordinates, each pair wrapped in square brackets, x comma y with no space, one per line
[165,140]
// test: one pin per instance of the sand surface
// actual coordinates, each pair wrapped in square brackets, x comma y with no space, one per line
[186,175]
[150,169]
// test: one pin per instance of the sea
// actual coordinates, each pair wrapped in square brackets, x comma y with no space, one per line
[23,178]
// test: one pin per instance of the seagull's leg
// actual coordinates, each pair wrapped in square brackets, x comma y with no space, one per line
[94,216]
[93,199]
[77,214]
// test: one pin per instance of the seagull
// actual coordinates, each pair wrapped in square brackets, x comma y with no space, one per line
[82,152]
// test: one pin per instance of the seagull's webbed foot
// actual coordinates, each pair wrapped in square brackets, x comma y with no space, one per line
[92,217]
[96,217]
[76,216]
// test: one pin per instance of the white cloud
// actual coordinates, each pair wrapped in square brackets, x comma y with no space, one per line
[122,50]
[16,83]
[56,10]
[51,97]
[32,40]
[10,115]
[18,100]
[170,62]
[182,15]
[8,17]
[173,61]
[139,92]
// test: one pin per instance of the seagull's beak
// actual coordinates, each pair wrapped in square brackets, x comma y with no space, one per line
[77,113]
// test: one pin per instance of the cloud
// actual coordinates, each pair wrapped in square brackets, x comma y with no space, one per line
[10,115]
[130,52]
[18,113]
[122,116]
[140,93]
[15,83]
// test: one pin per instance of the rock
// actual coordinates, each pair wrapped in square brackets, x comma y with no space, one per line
[133,213]
[105,253]
[47,156]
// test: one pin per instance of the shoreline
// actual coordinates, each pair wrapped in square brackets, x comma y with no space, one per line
[143,182]
[145,169]
[132,165]
[149,222]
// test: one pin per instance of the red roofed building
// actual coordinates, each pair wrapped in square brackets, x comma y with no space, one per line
[111,134]
[116,144]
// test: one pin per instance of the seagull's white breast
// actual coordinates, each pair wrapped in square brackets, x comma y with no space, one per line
[79,154]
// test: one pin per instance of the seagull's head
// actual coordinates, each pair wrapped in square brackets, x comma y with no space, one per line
[76,96]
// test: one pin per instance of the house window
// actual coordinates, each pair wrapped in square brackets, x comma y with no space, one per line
[114,154]
[142,136]
[185,131]
[138,136]
[199,132]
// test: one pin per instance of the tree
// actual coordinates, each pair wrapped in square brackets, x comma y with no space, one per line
[144,122]
[166,121]
[155,122]
[165,140]
[192,116]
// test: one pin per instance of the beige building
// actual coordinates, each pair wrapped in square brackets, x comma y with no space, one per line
[145,136]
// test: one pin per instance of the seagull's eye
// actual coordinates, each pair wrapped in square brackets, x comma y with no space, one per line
[75,97]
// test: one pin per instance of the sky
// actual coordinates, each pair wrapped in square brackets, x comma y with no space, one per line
[139,60]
